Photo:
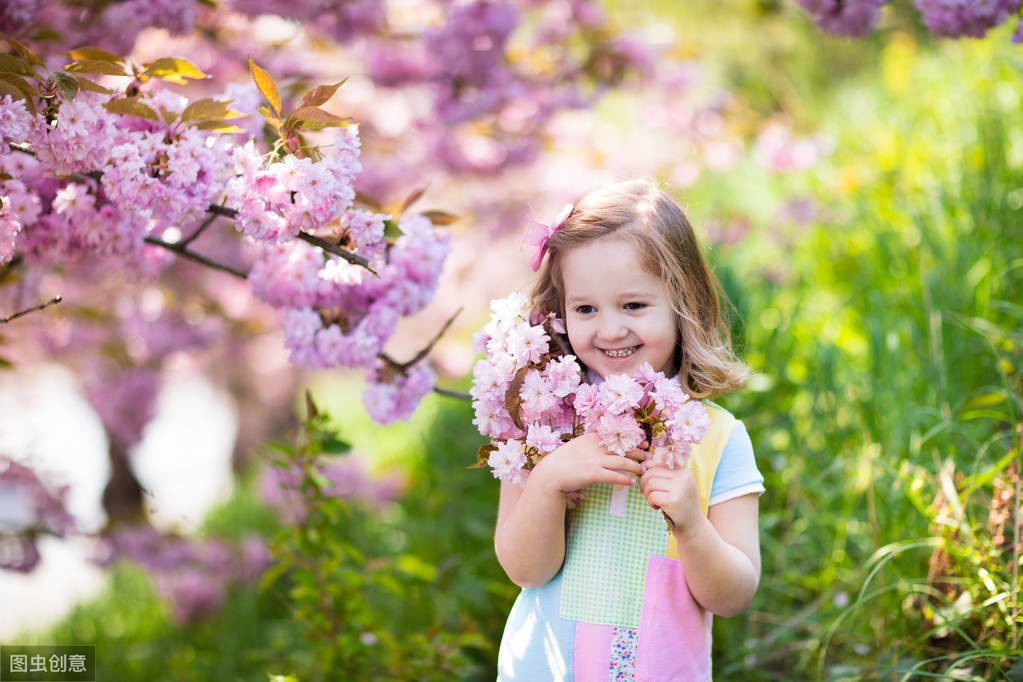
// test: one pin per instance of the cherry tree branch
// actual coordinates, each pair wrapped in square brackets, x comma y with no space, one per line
[181,250]
[20,313]
[199,230]
[228,212]
[452,394]
[333,248]
[325,244]
[402,366]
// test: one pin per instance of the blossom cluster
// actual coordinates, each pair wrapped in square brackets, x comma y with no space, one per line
[649,411]
[99,183]
[192,575]
[27,508]
[341,314]
[956,19]
[522,394]
[530,400]
[850,18]
[347,476]
[277,201]
[944,18]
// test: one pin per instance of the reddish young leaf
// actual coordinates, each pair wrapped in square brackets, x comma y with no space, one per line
[511,398]
[482,455]
[321,94]
[411,199]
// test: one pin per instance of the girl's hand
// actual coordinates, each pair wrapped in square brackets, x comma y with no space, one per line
[582,462]
[672,491]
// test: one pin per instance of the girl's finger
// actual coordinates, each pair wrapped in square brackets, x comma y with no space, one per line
[637,454]
[653,475]
[657,499]
[621,464]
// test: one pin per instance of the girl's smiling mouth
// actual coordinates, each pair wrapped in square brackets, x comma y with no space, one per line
[619,352]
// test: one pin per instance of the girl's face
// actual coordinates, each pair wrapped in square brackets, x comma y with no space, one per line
[617,313]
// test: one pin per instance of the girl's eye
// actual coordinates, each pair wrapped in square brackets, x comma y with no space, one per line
[635,305]
[584,309]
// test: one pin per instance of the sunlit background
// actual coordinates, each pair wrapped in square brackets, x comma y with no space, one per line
[860,202]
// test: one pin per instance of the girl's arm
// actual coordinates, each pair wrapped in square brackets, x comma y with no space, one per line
[719,552]
[530,535]
[721,555]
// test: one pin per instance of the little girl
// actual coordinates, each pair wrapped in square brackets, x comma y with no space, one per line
[609,597]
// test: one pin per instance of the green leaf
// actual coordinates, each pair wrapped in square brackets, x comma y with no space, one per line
[174,70]
[207,109]
[440,217]
[67,84]
[94,53]
[414,566]
[984,400]
[311,410]
[5,363]
[266,85]
[391,230]
[92,86]
[270,118]
[335,446]
[18,88]
[97,67]
[11,64]
[321,94]
[131,107]
[271,574]
[218,127]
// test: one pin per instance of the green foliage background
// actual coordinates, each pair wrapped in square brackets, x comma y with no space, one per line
[885,412]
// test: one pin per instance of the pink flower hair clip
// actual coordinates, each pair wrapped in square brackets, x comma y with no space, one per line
[540,233]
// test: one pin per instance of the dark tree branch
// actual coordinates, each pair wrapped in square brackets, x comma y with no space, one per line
[206,223]
[325,244]
[182,251]
[403,366]
[451,394]
[333,248]
[20,313]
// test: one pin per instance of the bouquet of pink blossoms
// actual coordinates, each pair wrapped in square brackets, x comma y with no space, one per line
[650,411]
[522,392]
[530,400]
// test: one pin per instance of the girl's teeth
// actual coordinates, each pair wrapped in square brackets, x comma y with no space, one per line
[620,353]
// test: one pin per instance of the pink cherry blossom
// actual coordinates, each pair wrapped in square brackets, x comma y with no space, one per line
[507,461]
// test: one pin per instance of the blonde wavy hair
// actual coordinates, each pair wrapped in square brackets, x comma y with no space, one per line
[637,210]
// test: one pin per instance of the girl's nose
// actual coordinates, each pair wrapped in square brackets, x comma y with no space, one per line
[611,328]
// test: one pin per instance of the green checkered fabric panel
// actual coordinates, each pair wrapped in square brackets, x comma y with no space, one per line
[606,557]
